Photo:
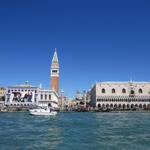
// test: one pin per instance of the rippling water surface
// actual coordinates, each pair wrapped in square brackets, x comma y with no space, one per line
[75,131]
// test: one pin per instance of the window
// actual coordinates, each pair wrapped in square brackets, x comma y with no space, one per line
[132,92]
[113,91]
[54,71]
[45,97]
[49,97]
[41,97]
[103,91]
[140,91]
[123,90]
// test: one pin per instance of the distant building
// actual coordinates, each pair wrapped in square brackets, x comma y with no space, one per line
[83,96]
[121,95]
[82,99]
[28,95]
[46,97]
[2,96]
[65,103]
[2,91]
[21,95]
[79,95]
[54,83]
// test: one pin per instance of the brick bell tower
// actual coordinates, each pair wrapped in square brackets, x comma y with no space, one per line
[54,83]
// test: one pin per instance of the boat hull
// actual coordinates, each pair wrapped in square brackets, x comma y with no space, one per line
[40,113]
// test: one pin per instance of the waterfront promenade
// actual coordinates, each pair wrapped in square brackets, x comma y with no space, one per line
[76,109]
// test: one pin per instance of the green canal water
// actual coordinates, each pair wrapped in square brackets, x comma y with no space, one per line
[75,131]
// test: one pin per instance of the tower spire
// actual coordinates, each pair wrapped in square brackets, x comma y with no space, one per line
[55,59]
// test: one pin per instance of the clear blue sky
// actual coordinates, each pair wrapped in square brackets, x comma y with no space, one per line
[97,40]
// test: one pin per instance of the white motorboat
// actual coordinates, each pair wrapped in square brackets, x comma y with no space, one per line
[43,111]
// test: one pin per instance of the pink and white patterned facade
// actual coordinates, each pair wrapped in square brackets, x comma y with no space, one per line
[121,94]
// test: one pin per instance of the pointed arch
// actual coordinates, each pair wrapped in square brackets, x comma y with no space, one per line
[103,90]
[113,90]
[123,90]
[140,91]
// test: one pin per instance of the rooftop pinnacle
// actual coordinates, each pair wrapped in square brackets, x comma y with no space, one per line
[55,62]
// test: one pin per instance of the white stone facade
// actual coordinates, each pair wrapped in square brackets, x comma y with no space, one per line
[28,95]
[48,96]
[121,94]
[21,95]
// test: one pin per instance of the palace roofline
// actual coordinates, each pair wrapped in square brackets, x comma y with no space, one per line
[22,86]
[124,82]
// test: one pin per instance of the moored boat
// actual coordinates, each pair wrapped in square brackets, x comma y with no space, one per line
[43,111]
